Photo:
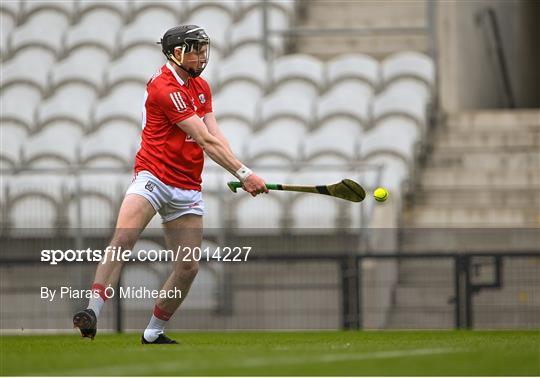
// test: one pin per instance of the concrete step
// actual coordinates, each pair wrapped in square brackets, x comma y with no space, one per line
[463,178]
[433,317]
[495,120]
[485,159]
[434,240]
[504,316]
[362,15]
[418,296]
[517,197]
[430,216]
[381,13]
[377,46]
[494,317]
[426,272]
[485,138]
[525,294]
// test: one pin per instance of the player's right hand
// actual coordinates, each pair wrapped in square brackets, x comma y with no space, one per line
[254,185]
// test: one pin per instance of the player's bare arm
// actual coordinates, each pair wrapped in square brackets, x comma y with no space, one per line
[213,128]
[220,152]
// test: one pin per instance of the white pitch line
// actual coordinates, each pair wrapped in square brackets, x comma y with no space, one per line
[329,358]
[131,369]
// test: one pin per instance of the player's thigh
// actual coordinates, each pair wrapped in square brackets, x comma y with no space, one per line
[184,234]
[184,231]
[134,215]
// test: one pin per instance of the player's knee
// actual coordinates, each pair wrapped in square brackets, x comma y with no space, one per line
[126,240]
[187,270]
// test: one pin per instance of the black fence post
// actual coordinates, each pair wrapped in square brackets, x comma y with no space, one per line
[457,292]
[119,310]
[468,292]
[350,293]
[463,292]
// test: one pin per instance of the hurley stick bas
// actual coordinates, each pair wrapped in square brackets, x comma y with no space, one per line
[345,189]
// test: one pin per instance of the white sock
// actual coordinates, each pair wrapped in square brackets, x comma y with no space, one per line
[96,304]
[154,328]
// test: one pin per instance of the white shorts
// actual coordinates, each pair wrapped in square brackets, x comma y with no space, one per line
[168,201]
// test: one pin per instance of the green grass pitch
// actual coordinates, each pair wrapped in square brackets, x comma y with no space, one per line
[371,353]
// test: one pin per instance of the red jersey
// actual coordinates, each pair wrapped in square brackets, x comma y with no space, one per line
[166,151]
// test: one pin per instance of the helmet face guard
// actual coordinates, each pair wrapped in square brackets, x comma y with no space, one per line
[188,39]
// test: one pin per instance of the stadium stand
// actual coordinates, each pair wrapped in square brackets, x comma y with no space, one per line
[86,93]
[284,111]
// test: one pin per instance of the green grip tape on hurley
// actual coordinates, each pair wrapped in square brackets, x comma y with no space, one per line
[233,185]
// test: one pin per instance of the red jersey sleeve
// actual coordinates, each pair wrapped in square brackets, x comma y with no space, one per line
[175,104]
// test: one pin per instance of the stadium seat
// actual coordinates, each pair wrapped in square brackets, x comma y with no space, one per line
[408,64]
[215,21]
[11,8]
[346,100]
[279,105]
[84,34]
[147,29]
[329,160]
[13,137]
[262,215]
[100,198]
[112,146]
[71,103]
[214,177]
[249,30]
[248,52]
[43,29]
[394,171]
[122,8]
[136,65]
[245,90]
[403,97]
[214,216]
[85,65]
[394,135]
[303,71]
[239,67]
[211,69]
[19,104]
[237,133]
[29,8]
[35,201]
[7,24]
[124,102]
[53,147]
[353,67]
[314,214]
[195,6]
[285,6]
[340,140]
[178,8]
[15,70]
[282,138]
[317,213]
[232,105]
